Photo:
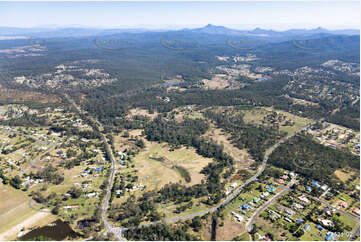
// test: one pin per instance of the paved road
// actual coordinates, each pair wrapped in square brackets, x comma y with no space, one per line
[355,218]
[108,227]
[249,225]
[355,234]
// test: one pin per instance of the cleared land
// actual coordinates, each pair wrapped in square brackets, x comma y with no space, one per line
[7,94]
[155,163]
[15,212]
[241,157]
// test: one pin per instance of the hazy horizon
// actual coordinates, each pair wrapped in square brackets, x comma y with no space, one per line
[178,15]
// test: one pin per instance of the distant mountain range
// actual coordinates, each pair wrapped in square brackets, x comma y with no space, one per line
[208,29]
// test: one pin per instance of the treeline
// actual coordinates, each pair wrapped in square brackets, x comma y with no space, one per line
[256,139]
[175,133]
[312,160]
[160,232]
[348,116]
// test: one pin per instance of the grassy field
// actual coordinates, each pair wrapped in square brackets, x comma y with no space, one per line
[342,175]
[241,157]
[15,209]
[256,115]
[155,174]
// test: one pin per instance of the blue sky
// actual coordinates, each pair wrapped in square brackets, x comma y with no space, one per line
[241,15]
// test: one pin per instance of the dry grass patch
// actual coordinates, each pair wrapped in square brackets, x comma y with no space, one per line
[14,207]
[220,81]
[230,229]
[141,112]
[155,162]
[241,157]
[7,94]
[302,101]
[342,175]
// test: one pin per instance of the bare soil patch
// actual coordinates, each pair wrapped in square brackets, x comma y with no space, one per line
[7,94]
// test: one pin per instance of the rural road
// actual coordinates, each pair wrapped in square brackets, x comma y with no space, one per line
[249,225]
[354,218]
[284,190]
[108,227]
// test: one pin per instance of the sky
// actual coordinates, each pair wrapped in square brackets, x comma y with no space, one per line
[279,15]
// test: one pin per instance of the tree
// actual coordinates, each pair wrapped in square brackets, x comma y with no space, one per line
[196,223]
[16,182]
[75,192]
[299,233]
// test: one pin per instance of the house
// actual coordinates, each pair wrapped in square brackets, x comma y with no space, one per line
[324,187]
[245,206]
[307,227]
[118,192]
[70,207]
[329,236]
[237,216]
[256,199]
[315,184]
[343,204]
[99,169]
[292,174]
[284,177]
[319,227]
[289,211]
[264,194]
[85,185]
[89,195]
[304,199]
[356,211]
[328,212]
[299,221]
[288,219]
[280,181]
[308,188]
[297,206]
[270,188]
[326,222]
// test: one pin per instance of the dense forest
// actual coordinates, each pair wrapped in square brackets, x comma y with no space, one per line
[313,160]
[160,232]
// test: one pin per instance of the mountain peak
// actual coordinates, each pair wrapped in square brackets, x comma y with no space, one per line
[211,26]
